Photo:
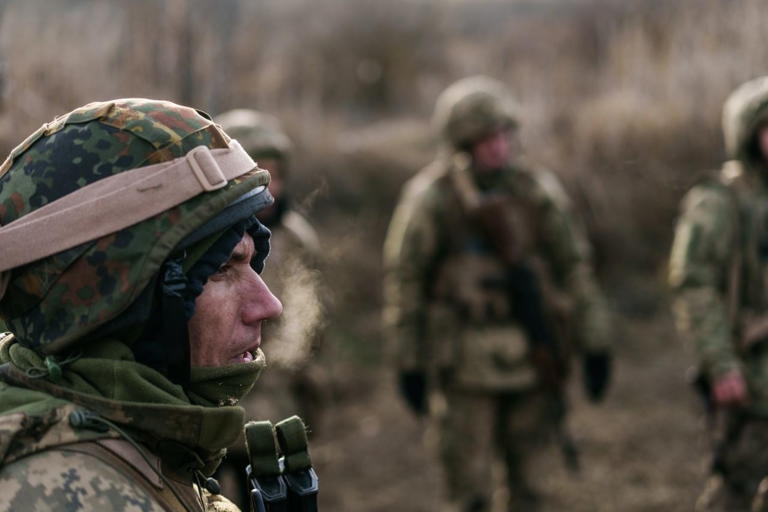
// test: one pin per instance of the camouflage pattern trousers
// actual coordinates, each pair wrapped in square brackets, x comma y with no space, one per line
[740,463]
[484,440]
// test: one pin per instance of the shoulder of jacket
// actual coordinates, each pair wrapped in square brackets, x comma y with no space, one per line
[23,433]
[62,479]
[711,195]
[544,184]
[426,180]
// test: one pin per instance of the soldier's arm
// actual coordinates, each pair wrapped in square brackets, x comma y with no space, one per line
[567,249]
[698,268]
[409,250]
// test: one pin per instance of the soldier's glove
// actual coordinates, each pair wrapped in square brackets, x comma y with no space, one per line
[596,372]
[412,385]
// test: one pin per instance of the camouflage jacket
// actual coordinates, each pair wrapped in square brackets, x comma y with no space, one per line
[718,273]
[435,257]
[64,450]
[718,265]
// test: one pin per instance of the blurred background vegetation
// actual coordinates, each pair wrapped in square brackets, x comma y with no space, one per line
[621,98]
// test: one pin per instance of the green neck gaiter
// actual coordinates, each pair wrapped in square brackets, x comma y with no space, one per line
[224,385]
[105,378]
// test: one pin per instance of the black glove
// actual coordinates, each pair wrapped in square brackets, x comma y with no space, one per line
[413,388]
[596,372]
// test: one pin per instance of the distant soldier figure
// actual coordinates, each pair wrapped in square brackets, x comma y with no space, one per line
[718,270]
[130,281]
[293,385]
[488,287]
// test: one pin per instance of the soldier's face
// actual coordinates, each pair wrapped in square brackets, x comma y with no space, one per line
[493,152]
[226,326]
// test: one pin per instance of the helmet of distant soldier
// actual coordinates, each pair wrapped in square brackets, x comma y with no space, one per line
[260,134]
[473,108]
[745,111]
[95,204]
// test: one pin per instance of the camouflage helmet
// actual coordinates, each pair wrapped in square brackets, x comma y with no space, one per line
[110,175]
[260,134]
[745,110]
[472,108]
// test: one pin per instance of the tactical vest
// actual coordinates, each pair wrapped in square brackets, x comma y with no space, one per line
[472,318]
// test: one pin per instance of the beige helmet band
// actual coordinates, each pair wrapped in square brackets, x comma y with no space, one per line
[138,194]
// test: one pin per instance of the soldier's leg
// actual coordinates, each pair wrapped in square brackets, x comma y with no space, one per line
[743,463]
[522,429]
[464,423]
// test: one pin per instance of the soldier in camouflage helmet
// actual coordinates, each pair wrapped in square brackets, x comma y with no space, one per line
[293,384]
[130,283]
[718,268]
[488,287]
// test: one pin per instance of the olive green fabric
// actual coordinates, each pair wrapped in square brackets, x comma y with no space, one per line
[224,385]
[716,266]
[108,381]
[292,436]
[262,448]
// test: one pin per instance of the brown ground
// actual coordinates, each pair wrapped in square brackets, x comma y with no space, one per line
[643,449]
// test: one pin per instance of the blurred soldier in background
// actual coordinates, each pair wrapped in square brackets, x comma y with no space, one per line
[130,280]
[293,385]
[718,269]
[488,288]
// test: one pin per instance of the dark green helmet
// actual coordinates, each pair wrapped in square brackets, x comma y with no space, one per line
[260,134]
[745,110]
[128,182]
[472,108]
